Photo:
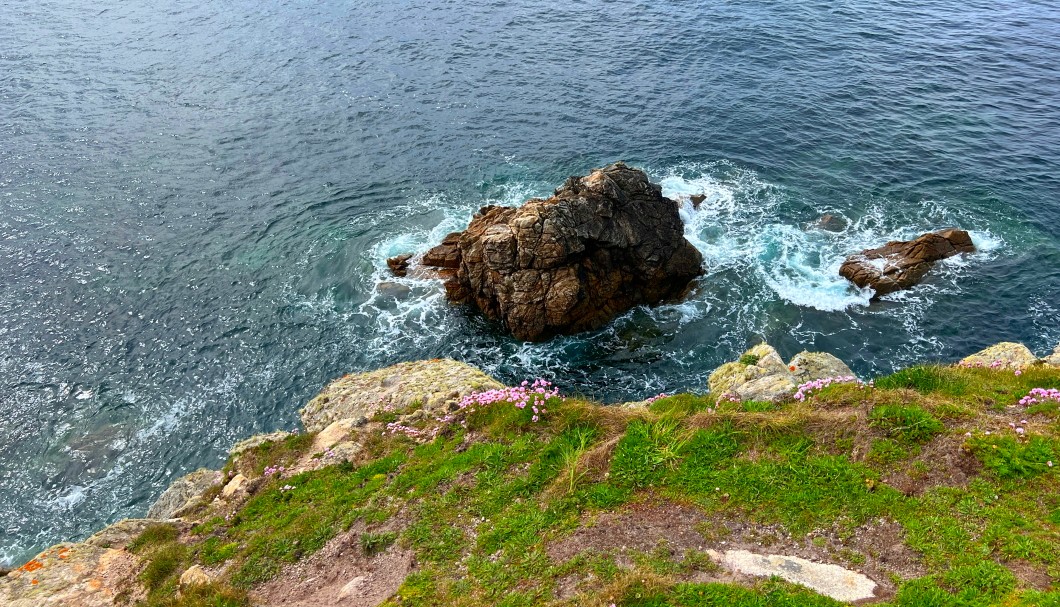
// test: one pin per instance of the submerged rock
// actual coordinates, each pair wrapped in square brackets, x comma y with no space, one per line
[183,492]
[901,264]
[1005,355]
[601,245]
[830,223]
[436,386]
[761,374]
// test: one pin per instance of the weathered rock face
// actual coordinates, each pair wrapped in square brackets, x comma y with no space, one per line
[1005,355]
[183,492]
[436,385]
[601,245]
[901,264]
[92,573]
[761,374]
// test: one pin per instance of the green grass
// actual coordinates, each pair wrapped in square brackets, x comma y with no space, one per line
[481,505]
[906,424]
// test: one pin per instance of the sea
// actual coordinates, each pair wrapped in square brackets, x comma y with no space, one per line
[197,200]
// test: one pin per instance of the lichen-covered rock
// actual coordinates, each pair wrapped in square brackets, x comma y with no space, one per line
[435,386]
[599,246]
[88,574]
[1005,355]
[899,265]
[183,492]
[766,378]
[808,366]
[258,439]
[761,374]
[195,576]
[1053,359]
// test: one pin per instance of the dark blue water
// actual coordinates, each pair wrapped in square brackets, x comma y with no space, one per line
[196,199]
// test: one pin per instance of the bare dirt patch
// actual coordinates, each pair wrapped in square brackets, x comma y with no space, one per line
[876,549]
[339,574]
[941,463]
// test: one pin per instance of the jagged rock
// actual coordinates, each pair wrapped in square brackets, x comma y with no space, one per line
[195,576]
[1053,359]
[183,492]
[697,199]
[435,386]
[830,580]
[399,265]
[1005,355]
[87,574]
[808,366]
[766,378]
[601,245]
[902,264]
[445,255]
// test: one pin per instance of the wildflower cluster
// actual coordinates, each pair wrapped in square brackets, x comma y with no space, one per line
[526,395]
[409,431]
[273,470]
[657,397]
[1038,396]
[997,364]
[817,385]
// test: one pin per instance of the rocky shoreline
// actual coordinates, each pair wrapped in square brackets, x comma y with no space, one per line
[346,416]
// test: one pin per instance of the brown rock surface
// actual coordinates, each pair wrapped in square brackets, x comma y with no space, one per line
[93,573]
[601,245]
[901,264]
[399,265]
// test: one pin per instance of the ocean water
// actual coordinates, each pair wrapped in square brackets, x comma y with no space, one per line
[197,199]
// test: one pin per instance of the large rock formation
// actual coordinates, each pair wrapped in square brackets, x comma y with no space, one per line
[901,264]
[601,245]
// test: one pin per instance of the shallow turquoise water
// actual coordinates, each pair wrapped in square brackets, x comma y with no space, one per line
[196,201]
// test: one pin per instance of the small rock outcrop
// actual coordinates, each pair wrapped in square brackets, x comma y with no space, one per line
[399,265]
[761,374]
[601,245]
[1053,360]
[1005,355]
[183,492]
[901,264]
[437,386]
[808,366]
